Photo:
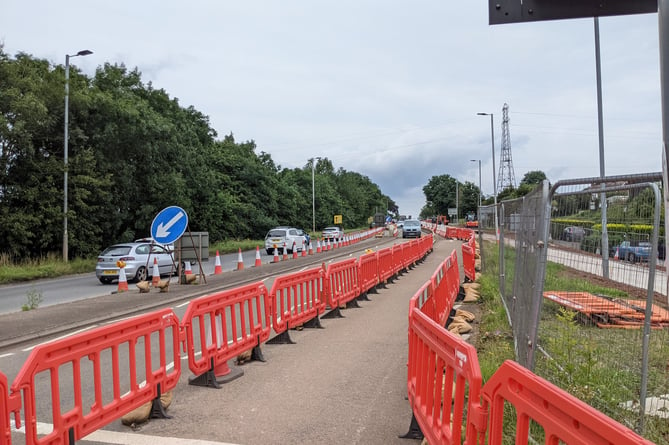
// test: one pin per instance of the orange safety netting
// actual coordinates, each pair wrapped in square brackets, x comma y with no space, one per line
[609,312]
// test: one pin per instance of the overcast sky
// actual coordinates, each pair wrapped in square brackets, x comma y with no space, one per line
[389,89]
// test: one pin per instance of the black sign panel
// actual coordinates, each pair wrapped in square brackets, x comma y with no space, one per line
[515,11]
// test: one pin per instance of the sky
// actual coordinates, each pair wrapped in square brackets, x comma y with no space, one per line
[389,89]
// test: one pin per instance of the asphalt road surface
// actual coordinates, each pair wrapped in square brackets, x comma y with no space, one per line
[345,383]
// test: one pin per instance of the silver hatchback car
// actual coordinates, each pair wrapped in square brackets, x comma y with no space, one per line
[282,236]
[138,259]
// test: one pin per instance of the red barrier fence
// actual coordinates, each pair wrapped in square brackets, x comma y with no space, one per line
[562,417]
[220,326]
[385,258]
[8,404]
[468,262]
[342,282]
[297,298]
[445,282]
[398,259]
[368,271]
[443,383]
[83,355]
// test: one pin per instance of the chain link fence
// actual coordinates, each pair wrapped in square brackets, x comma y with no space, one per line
[597,324]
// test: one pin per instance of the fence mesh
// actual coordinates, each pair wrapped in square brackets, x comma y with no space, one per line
[595,335]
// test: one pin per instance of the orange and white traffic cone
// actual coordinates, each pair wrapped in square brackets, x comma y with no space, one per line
[240,260]
[304,248]
[218,269]
[285,251]
[318,246]
[276,255]
[616,256]
[188,270]
[155,273]
[294,250]
[258,260]
[122,280]
[311,248]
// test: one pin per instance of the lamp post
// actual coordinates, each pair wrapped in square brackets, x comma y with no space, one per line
[494,180]
[84,52]
[479,209]
[313,194]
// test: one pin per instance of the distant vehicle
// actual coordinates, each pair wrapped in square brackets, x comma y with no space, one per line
[573,233]
[333,233]
[633,252]
[282,236]
[411,228]
[470,221]
[138,259]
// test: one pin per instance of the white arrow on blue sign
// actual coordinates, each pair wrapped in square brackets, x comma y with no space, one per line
[169,225]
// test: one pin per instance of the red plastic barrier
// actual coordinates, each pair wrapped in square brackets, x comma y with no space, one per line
[445,282]
[385,258]
[468,261]
[424,300]
[443,383]
[67,355]
[398,258]
[564,418]
[297,298]
[368,271]
[223,325]
[8,404]
[342,282]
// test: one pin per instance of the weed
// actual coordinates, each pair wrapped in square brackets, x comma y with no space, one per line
[33,299]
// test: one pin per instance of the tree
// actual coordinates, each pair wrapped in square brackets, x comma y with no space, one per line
[533,177]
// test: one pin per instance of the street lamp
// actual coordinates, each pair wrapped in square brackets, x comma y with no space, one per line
[494,180]
[84,52]
[478,218]
[313,194]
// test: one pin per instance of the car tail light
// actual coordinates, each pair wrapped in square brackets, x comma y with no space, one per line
[127,258]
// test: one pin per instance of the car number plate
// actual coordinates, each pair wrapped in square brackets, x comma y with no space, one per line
[110,272]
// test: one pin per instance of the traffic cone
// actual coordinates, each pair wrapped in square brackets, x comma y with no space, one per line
[155,279]
[311,248]
[294,250]
[276,255]
[318,246]
[240,260]
[122,280]
[188,270]
[616,256]
[285,251]
[218,269]
[258,260]
[304,248]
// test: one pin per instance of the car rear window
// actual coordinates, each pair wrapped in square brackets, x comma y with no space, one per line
[276,233]
[117,250]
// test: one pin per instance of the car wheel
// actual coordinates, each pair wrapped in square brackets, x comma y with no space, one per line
[269,251]
[105,280]
[142,274]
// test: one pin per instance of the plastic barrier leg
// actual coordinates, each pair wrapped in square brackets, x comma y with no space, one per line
[281,339]
[334,313]
[157,408]
[414,430]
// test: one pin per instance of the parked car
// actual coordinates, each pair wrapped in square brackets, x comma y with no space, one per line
[573,233]
[138,259]
[411,228]
[633,251]
[282,236]
[333,233]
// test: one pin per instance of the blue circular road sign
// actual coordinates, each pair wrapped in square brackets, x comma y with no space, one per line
[169,225]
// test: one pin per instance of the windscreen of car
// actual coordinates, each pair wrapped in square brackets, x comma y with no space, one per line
[411,223]
[276,233]
[117,250]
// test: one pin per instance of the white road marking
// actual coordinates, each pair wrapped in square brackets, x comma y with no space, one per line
[114,437]
[183,304]
[7,355]
[60,338]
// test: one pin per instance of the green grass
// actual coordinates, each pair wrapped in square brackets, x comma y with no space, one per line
[599,366]
[47,267]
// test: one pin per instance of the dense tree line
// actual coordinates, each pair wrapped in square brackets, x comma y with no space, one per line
[134,150]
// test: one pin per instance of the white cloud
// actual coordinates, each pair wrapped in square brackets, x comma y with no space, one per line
[389,89]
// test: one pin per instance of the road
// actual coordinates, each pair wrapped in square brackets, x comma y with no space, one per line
[343,384]
[82,286]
